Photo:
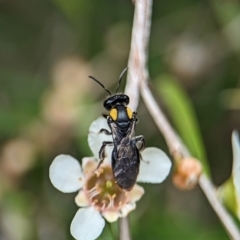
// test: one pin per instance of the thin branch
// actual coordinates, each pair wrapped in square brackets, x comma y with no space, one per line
[124,233]
[138,52]
[137,77]
[174,143]
[137,63]
[176,147]
[210,192]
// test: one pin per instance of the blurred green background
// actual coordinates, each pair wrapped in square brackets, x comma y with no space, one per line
[47,102]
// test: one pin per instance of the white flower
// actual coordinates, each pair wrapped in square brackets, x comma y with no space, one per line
[99,195]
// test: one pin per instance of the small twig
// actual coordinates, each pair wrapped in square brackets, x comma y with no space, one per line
[174,143]
[177,147]
[138,52]
[136,64]
[137,77]
[210,192]
[124,233]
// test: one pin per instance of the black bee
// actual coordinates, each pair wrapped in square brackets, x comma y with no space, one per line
[127,147]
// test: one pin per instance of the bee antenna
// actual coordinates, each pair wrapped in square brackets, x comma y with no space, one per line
[120,78]
[93,78]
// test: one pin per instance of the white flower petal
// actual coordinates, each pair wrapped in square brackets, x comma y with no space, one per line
[65,173]
[127,208]
[81,199]
[87,224]
[236,163]
[154,167]
[111,216]
[95,139]
[136,193]
[89,164]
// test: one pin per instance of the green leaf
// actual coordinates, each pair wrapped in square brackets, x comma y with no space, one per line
[72,9]
[229,192]
[107,233]
[183,117]
[228,196]
[226,11]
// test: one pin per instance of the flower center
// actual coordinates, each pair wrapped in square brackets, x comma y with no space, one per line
[103,192]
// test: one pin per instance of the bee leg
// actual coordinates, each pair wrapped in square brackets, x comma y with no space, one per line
[104,115]
[102,152]
[140,142]
[133,123]
[145,161]
[103,130]
[135,119]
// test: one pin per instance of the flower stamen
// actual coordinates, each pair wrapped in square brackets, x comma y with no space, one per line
[103,204]
[99,172]
[93,192]
[103,192]
[111,201]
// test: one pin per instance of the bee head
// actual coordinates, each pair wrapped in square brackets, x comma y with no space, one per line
[117,99]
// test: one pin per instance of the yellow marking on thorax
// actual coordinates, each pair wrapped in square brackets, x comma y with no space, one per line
[129,113]
[113,114]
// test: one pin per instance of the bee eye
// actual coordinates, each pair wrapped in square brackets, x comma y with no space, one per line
[129,113]
[113,114]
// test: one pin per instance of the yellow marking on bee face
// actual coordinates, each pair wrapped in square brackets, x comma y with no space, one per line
[113,114]
[129,113]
